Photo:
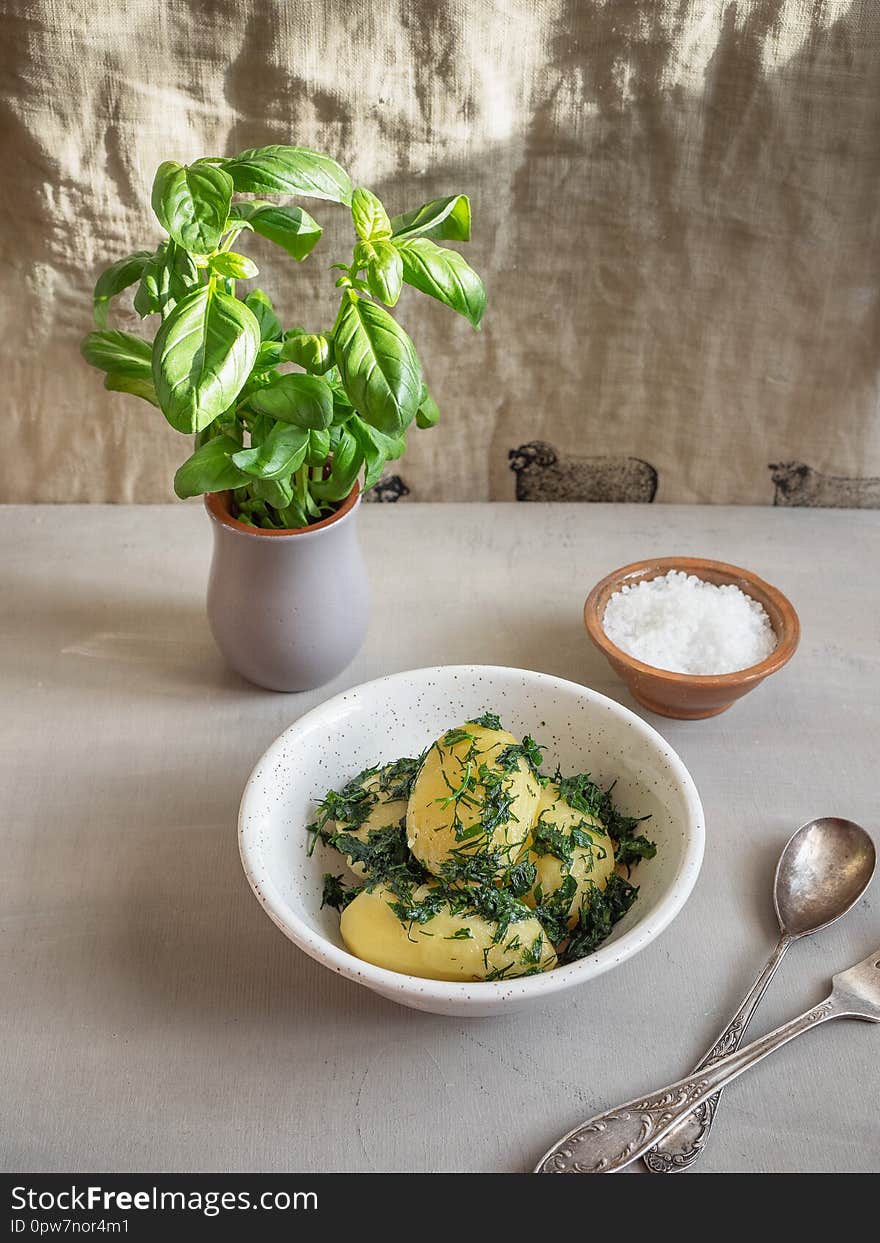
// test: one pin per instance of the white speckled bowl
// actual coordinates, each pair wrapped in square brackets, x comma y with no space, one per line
[400,715]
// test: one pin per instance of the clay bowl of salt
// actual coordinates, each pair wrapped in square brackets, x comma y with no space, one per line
[690,636]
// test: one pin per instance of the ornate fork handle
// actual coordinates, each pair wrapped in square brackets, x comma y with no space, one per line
[682,1145]
[612,1140]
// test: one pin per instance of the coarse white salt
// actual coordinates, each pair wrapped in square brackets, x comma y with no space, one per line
[681,623]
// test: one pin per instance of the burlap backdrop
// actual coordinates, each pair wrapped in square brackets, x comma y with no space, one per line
[676,209]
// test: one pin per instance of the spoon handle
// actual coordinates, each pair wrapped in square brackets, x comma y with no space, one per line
[612,1140]
[684,1144]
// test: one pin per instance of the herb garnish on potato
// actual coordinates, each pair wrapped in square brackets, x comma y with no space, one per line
[475,866]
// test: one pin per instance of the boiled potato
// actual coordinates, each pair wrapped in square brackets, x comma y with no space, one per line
[448,946]
[589,862]
[464,802]
[379,799]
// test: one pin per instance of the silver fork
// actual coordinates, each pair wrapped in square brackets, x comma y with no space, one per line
[612,1140]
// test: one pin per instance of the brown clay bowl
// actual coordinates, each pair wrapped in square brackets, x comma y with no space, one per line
[683,695]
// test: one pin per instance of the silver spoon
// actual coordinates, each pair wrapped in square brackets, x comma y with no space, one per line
[823,870]
[612,1140]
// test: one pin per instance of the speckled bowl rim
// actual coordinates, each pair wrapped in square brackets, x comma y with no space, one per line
[786,641]
[483,994]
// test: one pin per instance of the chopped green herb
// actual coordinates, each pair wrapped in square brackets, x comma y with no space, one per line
[466,867]
[468,783]
[499,973]
[584,795]
[521,877]
[554,910]
[631,849]
[535,953]
[336,893]
[408,911]
[385,856]
[352,805]
[480,877]
[397,779]
[527,750]
[598,917]
[547,839]
[498,800]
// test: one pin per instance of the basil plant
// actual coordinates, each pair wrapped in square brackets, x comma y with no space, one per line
[288,420]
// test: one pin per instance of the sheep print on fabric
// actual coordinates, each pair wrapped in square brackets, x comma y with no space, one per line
[676,211]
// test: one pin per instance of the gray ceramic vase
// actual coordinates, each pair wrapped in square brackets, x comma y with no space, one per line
[288,609]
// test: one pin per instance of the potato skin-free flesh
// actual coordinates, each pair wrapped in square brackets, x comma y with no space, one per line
[449,800]
[432,951]
[590,865]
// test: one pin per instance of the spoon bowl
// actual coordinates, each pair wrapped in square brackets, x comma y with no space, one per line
[824,869]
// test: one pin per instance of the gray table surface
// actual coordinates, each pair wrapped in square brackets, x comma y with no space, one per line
[152,1016]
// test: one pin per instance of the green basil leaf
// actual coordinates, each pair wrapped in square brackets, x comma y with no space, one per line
[292,517]
[245,513]
[234,226]
[169,275]
[251,511]
[278,492]
[395,447]
[304,400]
[428,412]
[228,424]
[289,170]
[257,380]
[348,459]
[378,364]
[120,353]
[289,227]
[210,469]
[260,427]
[319,448]
[444,275]
[369,217]
[202,356]
[261,305]
[313,509]
[115,279]
[268,355]
[384,271]
[311,350]
[281,453]
[447,220]
[192,203]
[376,448]
[138,386]
[236,267]
[340,397]
[150,297]
[342,409]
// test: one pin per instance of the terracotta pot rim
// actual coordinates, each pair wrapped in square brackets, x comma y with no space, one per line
[217,505]
[787,636]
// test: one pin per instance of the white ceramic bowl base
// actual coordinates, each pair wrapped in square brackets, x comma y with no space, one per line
[401,715]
